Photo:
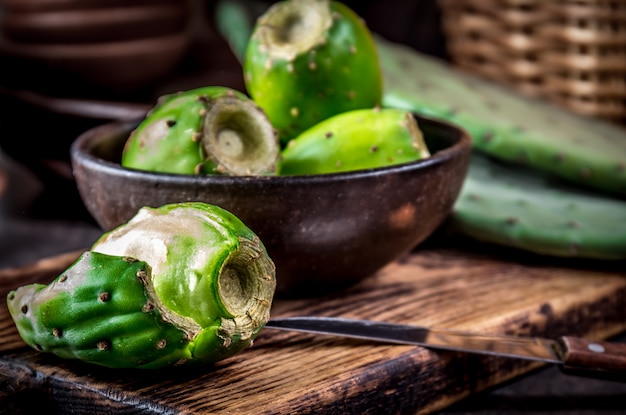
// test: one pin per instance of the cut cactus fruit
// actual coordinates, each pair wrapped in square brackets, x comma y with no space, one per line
[537,212]
[355,140]
[308,60]
[209,130]
[505,124]
[201,292]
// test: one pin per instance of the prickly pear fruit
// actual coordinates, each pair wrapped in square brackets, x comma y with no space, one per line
[209,130]
[308,60]
[505,124]
[201,292]
[529,210]
[354,140]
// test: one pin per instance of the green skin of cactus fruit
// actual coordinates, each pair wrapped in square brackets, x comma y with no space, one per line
[201,293]
[355,140]
[308,60]
[209,130]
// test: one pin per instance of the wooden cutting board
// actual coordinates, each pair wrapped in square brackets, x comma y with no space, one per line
[291,373]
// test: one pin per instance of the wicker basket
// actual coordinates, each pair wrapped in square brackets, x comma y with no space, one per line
[572,52]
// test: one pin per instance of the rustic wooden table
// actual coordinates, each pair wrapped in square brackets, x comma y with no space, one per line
[295,373]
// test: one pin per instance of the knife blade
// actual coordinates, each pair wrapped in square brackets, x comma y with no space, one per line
[574,355]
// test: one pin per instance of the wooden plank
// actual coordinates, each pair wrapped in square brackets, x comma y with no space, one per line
[300,373]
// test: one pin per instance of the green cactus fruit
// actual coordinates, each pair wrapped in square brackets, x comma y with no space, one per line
[355,140]
[201,293]
[308,60]
[533,211]
[505,124]
[208,130]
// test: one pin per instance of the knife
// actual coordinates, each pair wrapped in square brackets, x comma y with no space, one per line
[573,355]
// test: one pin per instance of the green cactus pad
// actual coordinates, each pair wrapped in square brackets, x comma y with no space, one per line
[209,130]
[505,124]
[307,60]
[201,292]
[354,140]
[537,212]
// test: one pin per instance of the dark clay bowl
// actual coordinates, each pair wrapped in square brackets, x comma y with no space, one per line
[124,65]
[324,232]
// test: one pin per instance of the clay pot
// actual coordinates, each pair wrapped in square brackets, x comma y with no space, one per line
[110,44]
[324,232]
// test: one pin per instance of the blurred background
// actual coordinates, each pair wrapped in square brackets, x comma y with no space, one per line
[53,52]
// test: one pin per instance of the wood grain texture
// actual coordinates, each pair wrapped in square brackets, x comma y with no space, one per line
[293,373]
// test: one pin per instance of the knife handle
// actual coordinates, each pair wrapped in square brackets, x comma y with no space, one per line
[603,360]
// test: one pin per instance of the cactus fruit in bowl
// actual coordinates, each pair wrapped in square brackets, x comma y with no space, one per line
[354,140]
[318,229]
[307,60]
[208,130]
[182,283]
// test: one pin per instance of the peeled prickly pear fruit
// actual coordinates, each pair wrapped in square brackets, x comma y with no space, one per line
[201,292]
[308,60]
[354,140]
[209,130]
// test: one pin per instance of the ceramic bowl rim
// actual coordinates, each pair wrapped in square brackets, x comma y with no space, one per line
[81,147]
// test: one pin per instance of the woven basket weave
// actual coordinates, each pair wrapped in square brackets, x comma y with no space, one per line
[571,52]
